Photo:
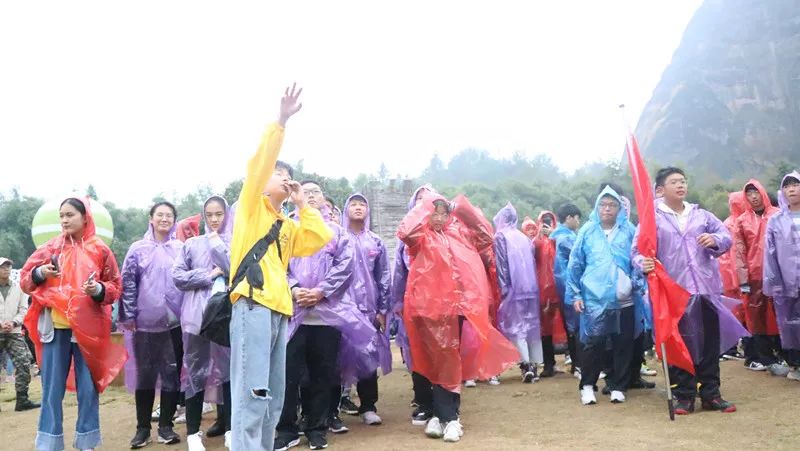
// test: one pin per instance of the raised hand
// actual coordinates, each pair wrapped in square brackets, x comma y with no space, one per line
[290,104]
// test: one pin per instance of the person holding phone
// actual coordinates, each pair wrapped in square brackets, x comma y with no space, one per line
[549,300]
[69,321]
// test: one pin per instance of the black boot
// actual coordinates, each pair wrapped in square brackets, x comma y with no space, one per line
[23,403]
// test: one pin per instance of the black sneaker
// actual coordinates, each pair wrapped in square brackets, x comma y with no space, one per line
[420,416]
[641,383]
[167,436]
[141,439]
[216,430]
[606,390]
[348,406]
[285,441]
[684,406]
[317,440]
[719,404]
[336,425]
[548,371]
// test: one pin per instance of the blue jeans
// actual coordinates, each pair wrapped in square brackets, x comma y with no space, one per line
[258,374]
[56,358]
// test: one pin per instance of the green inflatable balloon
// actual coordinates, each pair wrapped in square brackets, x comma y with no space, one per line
[46,223]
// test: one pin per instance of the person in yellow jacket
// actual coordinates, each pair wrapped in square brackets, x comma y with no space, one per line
[261,311]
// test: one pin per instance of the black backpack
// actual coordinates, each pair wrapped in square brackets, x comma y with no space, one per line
[217,314]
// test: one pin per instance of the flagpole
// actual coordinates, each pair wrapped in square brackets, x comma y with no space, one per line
[670,399]
[664,363]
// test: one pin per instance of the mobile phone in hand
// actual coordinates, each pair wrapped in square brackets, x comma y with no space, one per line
[54,262]
[90,279]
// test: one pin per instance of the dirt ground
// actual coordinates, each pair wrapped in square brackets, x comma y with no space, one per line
[512,416]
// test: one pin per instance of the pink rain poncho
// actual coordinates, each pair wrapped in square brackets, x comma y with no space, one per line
[399,280]
[448,280]
[152,303]
[696,269]
[206,365]
[331,270]
[370,287]
[749,243]
[782,271]
[518,315]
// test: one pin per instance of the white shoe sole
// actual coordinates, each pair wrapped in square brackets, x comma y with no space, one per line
[419,422]
[291,444]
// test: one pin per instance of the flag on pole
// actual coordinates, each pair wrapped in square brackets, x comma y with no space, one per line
[668,299]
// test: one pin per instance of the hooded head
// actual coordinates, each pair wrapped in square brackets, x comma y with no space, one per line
[546,217]
[609,208]
[506,218]
[756,195]
[418,193]
[217,216]
[737,203]
[789,194]
[356,207]
[162,215]
[529,227]
[75,214]
[189,227]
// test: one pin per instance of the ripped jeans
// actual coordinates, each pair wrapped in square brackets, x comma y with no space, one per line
[258,374]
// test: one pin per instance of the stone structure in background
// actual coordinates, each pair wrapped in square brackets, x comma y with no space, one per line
[388,205]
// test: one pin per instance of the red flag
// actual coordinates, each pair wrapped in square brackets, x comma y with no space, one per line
[668,299]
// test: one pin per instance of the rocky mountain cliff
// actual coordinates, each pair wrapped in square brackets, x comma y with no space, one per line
[728,105]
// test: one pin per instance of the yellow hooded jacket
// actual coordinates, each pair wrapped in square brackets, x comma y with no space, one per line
[255,216]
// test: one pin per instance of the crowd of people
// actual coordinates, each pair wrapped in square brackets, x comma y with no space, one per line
[314,297]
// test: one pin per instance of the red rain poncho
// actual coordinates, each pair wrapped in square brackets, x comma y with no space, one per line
[727,262]
[749,240]
[188,227]
[529,227]
[550,316]
[448,279]
[90,321]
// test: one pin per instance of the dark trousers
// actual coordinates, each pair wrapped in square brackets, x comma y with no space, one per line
[444,404]
[194,410]
[707,369]
[148,375]
[367,389]
[637,359]
[314,349]
[593,355]
[762,349]
[548,351]
[423,393]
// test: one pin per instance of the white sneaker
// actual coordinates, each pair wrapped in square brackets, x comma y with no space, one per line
[780,370]
[794,375]
[617,397]
[371,418]
[434,428]
[577,374]
[156,413]
[567,361]
[647,371]
[180,415]
[207,408]
[494,380]
[453,431]
[228,440]
[195,442]
[756,366]
[587,395]
[470,383]
[603,375]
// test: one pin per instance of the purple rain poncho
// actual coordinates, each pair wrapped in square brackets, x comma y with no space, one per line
[151,302]
[206,365]
[370,287]
[399,279]
[331,271]
[782,271]
[518,315]
[696,269]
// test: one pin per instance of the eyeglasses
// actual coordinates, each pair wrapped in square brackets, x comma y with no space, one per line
[314,192]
